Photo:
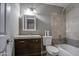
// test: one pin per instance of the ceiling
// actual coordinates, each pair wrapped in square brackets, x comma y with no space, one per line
[59,4]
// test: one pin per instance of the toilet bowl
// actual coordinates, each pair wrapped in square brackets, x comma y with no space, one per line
[52,51]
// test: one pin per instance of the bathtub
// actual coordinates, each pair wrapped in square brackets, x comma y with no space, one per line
[67,50]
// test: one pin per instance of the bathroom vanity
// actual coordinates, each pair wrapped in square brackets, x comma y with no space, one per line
[27,45]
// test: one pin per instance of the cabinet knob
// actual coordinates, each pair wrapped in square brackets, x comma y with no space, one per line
[36,40]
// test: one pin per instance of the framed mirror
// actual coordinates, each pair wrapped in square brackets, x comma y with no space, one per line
[29,23]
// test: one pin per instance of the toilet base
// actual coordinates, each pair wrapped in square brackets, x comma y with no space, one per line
[50,55]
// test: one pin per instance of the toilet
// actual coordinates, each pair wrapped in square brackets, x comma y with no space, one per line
[51,50]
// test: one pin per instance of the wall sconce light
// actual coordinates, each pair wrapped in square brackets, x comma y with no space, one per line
[30,11]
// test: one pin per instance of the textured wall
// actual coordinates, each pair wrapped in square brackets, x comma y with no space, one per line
[58,23]
[72,24]
[44,17]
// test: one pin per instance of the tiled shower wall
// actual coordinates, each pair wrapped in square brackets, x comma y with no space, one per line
[72,24]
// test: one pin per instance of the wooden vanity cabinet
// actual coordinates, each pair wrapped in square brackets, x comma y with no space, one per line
[28,47]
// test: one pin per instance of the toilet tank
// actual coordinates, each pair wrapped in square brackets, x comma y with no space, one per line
[47,40]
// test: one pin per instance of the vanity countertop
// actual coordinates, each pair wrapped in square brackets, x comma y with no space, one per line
[27,36]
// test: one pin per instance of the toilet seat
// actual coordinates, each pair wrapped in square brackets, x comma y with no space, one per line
[52,50]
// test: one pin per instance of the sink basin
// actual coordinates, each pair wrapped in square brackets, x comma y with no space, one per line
[27,36]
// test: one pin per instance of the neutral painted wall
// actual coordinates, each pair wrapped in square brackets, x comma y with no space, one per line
[44,19]
[72,24]
[12,19]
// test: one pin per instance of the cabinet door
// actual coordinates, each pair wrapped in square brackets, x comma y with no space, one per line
[21,47]
[36,46]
